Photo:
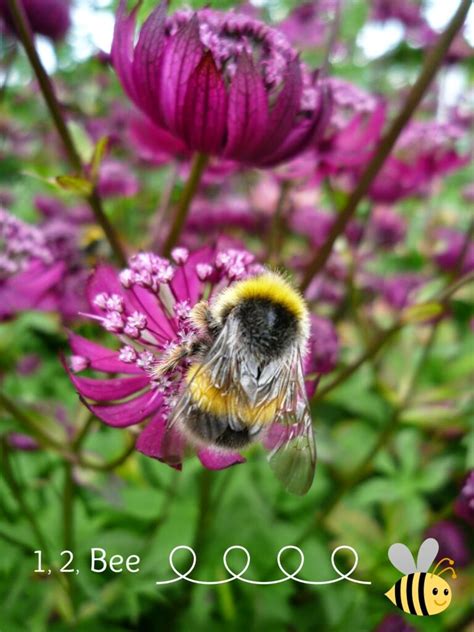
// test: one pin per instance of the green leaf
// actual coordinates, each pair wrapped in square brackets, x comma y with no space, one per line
[421,313]
[97,157]
[75,184]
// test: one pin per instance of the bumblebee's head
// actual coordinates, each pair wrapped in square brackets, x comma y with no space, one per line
[437,593]
[272,316]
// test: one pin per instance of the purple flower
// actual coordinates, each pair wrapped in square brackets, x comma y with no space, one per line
[464,506]
[306,26]
[406,11]
[28,271]
[152,143]
[213,216]
[146,307]
[450,248]
[452,542]
[324,350]
[394,623]
[398,290]
[222,83]
[387,228]
[46,17]
[355,126]
[116,180]
[426,150]
[316,224]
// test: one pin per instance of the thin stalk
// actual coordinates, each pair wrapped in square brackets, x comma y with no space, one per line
[277,222]
[332,38]
[432,63]
[24,32]
[198,166]
[68,507]
[162,211]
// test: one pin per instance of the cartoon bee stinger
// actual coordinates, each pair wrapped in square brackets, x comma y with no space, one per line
[419,592]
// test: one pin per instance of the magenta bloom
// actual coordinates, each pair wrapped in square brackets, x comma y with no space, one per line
[222,83]
[464,506]
[406,11]
[398,290]
[46,17]
[306,26]
[324,350]
[426,150]
[452,542]
[116,180]
[387,228]
[394,623]
[28,270]
[450,248]
[354,128]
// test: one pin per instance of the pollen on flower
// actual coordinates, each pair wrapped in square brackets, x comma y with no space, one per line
[78,363]
[128,354]
[180,255]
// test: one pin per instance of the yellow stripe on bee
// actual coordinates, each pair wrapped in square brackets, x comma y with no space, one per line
[211,400]
[403,591]
[270,286]
[414,594]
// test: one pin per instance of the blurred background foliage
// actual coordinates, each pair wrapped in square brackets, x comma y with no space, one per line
[413,473]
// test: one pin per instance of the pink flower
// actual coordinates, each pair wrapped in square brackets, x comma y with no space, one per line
[28,270]
[46,17]
[146,307]
[222,83]
[117,180]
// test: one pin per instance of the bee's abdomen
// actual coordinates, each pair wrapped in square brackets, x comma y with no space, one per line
[409,594]
[215,430]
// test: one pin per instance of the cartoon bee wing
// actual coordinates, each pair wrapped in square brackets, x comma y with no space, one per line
[401,558]
[427,554]
[291,441]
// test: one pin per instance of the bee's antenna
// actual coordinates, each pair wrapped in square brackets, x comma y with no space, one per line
[448,568]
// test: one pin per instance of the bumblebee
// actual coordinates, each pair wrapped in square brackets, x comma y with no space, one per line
[420,592]
[245,380]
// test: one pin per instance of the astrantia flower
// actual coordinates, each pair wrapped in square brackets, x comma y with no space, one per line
[394,623]
[117,180]
[306,26]
[387,228]
[222,83]
[426,150]
[28,271]
[406,11]
[355,125]
[324,350]
[464,506]
[452,542]
[46,17]
[449,248]
[146,307]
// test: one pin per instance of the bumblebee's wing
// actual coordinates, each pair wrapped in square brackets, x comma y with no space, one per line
[293,455]
[426,555]
[401,558]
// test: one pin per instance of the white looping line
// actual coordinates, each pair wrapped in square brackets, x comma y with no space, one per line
[287,576]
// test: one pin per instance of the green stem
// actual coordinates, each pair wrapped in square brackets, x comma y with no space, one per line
[17,493]
[24,32]
[276,226]
[198,166]
[110,465]
[68,507]
[432,63]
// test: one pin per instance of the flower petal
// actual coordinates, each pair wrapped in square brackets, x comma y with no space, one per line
[122,47]
[100,358]
[205,108]
[151,442]
[216,460]
[147,59]
[128,413]
[186,284]
[248,110]
[181,56]
[108,390]
[283,113]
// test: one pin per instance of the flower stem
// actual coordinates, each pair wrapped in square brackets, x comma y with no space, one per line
[198,166]
[24,32]
[432,63]
[277,223]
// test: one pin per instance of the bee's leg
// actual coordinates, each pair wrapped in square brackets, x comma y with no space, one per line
[203,319]
[172,358]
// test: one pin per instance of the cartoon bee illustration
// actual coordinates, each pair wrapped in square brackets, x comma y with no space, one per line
[420,592]
[245,378]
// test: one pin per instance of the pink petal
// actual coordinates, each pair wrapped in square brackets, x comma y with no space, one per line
[283,114]
[181,56]
[215,460]
[153,143]
[147,59]
[128,413]
[108,390]
[152,443]
[100,358]
[248,109]
[122,47]
[205,108]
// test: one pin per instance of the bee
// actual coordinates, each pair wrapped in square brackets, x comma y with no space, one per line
[420,592]
[245,380]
